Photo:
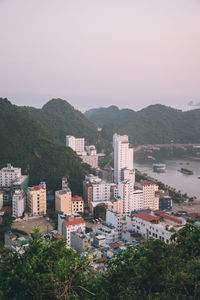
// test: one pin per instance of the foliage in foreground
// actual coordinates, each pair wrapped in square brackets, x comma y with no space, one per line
[153,270]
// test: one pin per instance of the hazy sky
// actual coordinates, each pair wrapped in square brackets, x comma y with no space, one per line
[93,53]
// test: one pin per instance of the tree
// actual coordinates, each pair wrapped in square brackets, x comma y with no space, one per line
[100,212]
[45,270]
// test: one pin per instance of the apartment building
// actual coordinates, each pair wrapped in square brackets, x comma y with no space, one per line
[77,144]
[36,199]
[18,203]
[63,201]
[68,224]
[8,175]
[77,204]
[123,156]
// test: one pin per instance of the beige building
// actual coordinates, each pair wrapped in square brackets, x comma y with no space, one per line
[36,199]
[63,201]
[77,204]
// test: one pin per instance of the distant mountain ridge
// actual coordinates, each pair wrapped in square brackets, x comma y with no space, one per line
[151,125]
[61,119]
[25,143]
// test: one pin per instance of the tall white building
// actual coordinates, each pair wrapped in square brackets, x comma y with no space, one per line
[123,156]
[100,189]
[8,175]
[18,203]
[77,144]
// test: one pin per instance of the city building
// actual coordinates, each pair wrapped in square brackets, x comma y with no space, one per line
[64,183]
[157,226]
[123,156]
[95,189]
[79,241]
[77,204]
[116,220]
[1,200]
[77,144]
[68,224]
[36,199]
[91,150]
[18,203]
[165,203]
[8,175]
[110,232]
[150,197]
[63,201]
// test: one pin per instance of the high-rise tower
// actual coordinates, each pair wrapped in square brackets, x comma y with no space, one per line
[123,156]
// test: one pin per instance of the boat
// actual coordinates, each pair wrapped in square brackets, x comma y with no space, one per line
[186,171]
[159,167]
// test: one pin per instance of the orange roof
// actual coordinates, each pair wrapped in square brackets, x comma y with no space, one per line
[115,245]
[146,217]
[36,188]
[169,217]
[75,221]
[101,259]
[77,198]
[57,235]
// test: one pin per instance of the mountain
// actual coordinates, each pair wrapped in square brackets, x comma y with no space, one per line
[152,125]
[26,144]
[61,119]
[101,116]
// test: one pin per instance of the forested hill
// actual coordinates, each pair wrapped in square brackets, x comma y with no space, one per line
[26,144]
[61,119]
[151,125]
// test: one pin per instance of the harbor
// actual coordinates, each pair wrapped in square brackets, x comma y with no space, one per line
[173,177]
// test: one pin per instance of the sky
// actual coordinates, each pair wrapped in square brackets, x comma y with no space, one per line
[94,53]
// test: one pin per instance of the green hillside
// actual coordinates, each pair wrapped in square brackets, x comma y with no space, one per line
[26,144]
[61,119]
[151,125]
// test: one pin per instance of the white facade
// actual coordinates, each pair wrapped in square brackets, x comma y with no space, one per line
[150,201]
[70,223]
[148,229]
[1,200]
[111,234]
[77,144]
[123,156]
[125,192]
[18,203]
[117,220]
[91,150]
[137,202]
[8,175]
[100,189]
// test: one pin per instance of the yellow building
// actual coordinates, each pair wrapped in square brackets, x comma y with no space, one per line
[63,201]
[36,199]
[77,204]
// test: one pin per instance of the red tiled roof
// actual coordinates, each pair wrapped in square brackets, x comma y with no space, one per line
[101,260]
[114,245]
[193,215]
[5,209]
[75,221]
[77,198]
[147,183]
[146,217]
[169,217]
[57,235]
[36,188]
